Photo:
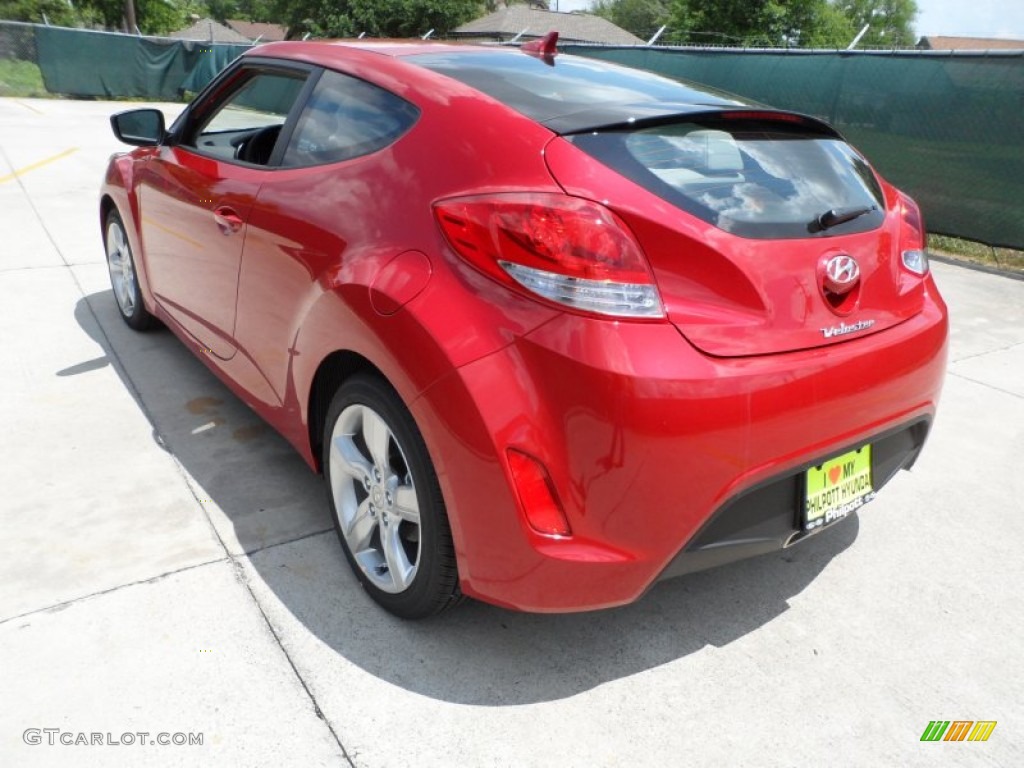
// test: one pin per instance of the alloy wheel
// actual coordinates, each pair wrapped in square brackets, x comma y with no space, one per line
[375,498]
[122,271]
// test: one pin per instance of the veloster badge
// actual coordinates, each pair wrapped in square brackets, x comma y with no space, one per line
[842,329]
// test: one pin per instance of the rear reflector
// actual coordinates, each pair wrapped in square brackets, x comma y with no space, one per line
[536,496]
[567,250]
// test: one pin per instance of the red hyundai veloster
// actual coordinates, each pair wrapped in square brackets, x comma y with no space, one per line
[553,329]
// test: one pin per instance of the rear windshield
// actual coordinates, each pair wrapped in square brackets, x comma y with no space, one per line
[763,179]
[569,84]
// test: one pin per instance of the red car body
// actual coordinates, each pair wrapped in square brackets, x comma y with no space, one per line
[670,443]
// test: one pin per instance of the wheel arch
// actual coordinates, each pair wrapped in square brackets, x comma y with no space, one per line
[118,193]
[106,205]
[333,371]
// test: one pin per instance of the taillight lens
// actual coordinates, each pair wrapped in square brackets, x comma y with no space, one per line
[912,236]
[570,251]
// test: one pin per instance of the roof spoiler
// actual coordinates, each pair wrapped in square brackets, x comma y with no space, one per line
[612,117]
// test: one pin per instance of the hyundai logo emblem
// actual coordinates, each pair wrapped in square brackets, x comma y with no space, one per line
[841,273]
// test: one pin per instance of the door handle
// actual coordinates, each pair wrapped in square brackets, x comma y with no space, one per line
[227,220]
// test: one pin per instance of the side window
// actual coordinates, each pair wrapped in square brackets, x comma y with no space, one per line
[246,126]
[346,118]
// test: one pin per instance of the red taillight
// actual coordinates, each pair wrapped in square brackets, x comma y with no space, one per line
[912,236]
[536,496]
[571,251]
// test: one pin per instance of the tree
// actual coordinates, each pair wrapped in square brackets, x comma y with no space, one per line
[641,17]
[377,18]
[804,23]
[891,21]
[248,10]
[832,29]
[152,16]
[746,22]
[58,12]
[493,5]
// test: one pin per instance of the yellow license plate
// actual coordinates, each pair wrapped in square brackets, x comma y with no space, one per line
[838,487]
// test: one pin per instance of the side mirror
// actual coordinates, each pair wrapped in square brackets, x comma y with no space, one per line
[139,127]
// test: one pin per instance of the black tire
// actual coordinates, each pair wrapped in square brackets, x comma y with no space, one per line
[123,275]
[426,545]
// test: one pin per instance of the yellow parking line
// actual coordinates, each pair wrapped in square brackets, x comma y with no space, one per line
[33,166]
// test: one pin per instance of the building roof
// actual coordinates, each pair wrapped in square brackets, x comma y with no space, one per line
[259,30]
[209,31]
[938,43]
[508,22]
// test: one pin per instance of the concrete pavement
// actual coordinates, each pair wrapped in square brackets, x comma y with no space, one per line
[168,566]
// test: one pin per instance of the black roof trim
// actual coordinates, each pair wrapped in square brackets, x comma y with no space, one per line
[608,117]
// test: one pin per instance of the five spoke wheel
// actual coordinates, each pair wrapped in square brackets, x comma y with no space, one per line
[123,280]
[375,497]
[386,500]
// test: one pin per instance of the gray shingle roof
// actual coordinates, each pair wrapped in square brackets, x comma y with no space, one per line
[264,32]
[577,27]
[208,30]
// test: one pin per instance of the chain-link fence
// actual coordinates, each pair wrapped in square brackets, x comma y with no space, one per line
[19,70]
[37,59]
[948,128]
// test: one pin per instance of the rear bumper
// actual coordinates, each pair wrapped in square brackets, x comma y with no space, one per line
[767,517]
[665,460]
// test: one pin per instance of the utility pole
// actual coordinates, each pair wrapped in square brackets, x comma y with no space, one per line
[129,16]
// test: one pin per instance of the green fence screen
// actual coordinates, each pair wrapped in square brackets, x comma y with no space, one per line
[84,63]
[948,129]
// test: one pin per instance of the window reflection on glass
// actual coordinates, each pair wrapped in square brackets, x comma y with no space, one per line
[347,118]
[752,179]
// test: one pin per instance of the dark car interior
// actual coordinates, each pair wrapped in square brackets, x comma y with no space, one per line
[257,145]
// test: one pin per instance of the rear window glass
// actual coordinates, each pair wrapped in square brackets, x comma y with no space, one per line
[758,179]
[545,91]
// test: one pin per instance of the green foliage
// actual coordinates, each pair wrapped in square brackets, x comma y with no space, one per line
[21,78]
[641,17]
[746,22]
[327,18]
[245,10]
[803,23]
[153,16]
[891,21]
[831,29]
[222,10]
[490,6]
[157,17]
[377,18]
[1006,259]
[59,12]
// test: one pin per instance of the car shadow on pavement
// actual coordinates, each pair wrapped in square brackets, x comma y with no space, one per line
[267,504]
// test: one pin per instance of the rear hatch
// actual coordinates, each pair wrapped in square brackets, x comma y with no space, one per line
[743,214]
